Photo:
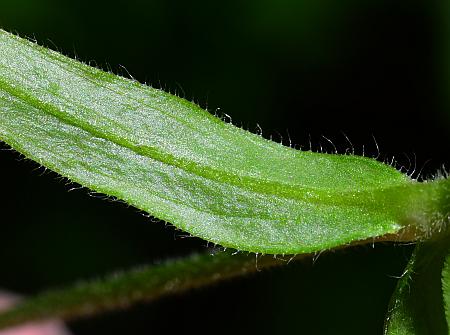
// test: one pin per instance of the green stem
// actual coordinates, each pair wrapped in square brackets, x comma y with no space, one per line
[144,284]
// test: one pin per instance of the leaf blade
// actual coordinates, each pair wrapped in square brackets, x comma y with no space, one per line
[170,158]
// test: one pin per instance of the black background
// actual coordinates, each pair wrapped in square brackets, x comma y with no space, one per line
[299,69]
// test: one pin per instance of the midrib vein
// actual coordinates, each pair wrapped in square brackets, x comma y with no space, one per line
[273,188]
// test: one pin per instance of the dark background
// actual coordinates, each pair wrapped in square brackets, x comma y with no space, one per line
[303,68]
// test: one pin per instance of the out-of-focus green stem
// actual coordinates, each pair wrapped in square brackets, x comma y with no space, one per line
[144,284]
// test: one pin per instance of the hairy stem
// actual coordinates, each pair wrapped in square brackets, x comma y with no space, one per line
[148,283]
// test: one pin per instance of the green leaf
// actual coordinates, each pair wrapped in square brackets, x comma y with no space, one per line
[126,288]
[170,158]
[417,306]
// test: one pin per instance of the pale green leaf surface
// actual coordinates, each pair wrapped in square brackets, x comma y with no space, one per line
[417,306]
[170,158]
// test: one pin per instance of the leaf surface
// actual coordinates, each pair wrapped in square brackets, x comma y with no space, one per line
[168,157]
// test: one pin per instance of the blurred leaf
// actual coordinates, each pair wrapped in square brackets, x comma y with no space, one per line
[417,306]
[172,159]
